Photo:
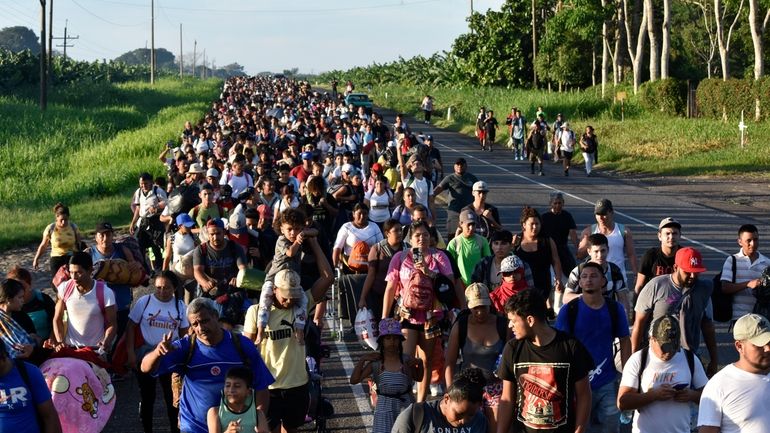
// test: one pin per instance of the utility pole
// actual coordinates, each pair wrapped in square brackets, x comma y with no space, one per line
[195,56]
[43,79]
[49,76]
[66,38]
[152,41]
[181,55]
[203,71]
[534,45]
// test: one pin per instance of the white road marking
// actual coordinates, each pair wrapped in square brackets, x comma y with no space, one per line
[581,199]
[362,398]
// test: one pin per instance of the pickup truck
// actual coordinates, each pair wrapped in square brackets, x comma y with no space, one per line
[359,100]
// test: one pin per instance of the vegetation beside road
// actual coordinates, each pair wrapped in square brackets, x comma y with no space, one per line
[87,149]
[645,142]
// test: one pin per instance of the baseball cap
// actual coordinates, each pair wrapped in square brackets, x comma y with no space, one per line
[184,219]
[468,216]
[460,161]
[307,155]
[346,168]
[480,186]
[477,294]
[376,166]
[689,260]
[669,222]
[666,332]
[510,264]
[103,227]
[212,172]
[215,222]
[754,328]
[287,284]
[429,137]
[236,224]
[603,207]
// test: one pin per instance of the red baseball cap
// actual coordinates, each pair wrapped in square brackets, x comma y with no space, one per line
[689,260]
[376,166]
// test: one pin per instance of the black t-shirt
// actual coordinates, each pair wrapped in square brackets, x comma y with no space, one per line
[545,380]
[557,227]
[222,265]
[655,263]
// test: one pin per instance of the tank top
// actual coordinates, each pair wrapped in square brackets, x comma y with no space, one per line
[617,244]
[248,417]
[63,239]
[539,262]
[481,356]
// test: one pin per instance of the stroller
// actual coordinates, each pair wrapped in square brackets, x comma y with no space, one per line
[320,408]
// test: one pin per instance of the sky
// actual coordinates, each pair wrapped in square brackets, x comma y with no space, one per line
[261,35]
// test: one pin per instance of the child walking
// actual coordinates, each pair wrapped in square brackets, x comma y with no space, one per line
[237,411]
[288,255]
[393,376]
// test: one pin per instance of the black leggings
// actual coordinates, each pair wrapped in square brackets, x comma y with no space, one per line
[147,402]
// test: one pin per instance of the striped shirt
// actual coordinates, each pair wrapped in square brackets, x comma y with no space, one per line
[745,270]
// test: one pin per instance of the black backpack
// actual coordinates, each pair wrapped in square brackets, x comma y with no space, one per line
[182,199]
[722,302]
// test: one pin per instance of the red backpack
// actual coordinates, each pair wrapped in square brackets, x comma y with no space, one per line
[358,261]
[419,293]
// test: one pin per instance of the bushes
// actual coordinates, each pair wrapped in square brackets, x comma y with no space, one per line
[668,96]
[718,99]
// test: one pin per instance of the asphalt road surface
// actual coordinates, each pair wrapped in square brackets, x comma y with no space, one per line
[708,224]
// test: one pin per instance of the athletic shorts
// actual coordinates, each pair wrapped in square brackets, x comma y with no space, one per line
[288,407]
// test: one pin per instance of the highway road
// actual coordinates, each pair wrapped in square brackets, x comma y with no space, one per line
[709,223]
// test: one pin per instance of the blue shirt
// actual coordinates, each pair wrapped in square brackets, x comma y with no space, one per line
[593,329]
[18,404]
[205,375]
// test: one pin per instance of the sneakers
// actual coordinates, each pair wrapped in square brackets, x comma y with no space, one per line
[435,389]
[542,174]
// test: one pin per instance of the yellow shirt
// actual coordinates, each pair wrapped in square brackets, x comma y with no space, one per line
[63,240]
[282,354]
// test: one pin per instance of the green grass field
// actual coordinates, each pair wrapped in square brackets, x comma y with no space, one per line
[87,150]
[651,143]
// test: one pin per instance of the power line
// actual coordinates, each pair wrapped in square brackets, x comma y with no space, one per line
[399,3]
[106,20]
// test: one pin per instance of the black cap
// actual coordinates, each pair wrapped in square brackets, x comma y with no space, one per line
[103,227]
[460,161]
[603,207]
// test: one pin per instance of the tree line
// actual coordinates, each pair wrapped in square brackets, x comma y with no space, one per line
[580,43]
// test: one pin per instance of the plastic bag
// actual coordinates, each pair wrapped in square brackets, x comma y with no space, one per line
[366,328]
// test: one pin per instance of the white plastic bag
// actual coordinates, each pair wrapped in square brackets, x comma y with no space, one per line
[366,329]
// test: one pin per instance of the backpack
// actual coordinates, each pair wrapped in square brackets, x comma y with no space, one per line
[462,323]
[722,302]
[418,416]
[572,312]
[69,289]
[132,245]
[419,293]
[182,199]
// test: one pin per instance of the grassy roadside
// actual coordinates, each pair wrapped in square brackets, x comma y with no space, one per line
[645,142]
[87,150]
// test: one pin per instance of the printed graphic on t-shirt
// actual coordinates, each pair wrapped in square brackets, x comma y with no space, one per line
[163,321]
[542,394]
[663,270]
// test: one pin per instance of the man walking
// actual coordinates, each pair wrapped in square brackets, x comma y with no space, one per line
[660,260]
[544,372]
[749,264]
[681,294]
[619,238]
[735,400]
[660,382]
[596,322]
[460,187]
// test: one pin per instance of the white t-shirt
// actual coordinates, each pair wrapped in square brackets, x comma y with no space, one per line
[182,245]
[85,323]
[157,318]
[745,270]
[153,198]
[350,234]
[662,416]
[422,189]
[237,183]
[736,401]
[379,206]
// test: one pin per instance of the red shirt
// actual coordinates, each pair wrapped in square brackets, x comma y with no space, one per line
[300,173]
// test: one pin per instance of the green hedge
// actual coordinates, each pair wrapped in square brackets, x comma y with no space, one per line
[717,98]
[668,96]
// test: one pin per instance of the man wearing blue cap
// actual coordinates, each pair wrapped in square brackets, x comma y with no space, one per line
[304,170]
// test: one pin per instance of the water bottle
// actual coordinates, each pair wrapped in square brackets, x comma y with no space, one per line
[626,416]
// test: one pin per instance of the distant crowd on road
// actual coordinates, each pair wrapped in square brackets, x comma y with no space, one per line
[281,192]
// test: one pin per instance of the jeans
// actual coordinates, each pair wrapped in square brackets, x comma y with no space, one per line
[604,409]
[589,159]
